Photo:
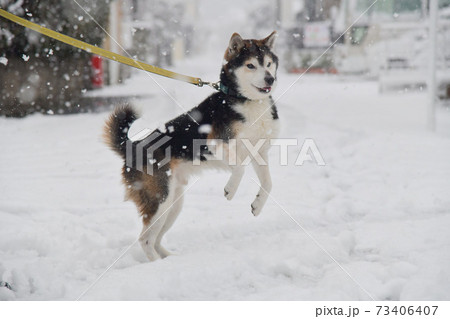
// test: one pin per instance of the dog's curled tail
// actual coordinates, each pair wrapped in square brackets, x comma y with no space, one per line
[117,126]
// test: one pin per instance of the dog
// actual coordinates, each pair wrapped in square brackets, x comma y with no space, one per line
[240,115]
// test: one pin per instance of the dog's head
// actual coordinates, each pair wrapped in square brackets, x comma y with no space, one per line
[250,67]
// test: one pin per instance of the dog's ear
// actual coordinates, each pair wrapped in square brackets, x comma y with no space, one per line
[270,40]
[236,43]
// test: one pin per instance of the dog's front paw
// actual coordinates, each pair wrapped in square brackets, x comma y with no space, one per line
[256,206]
[229,192]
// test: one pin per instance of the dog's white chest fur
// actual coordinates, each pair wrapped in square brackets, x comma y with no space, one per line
[259,122]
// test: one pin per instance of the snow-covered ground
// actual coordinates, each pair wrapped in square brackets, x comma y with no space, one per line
[372,223]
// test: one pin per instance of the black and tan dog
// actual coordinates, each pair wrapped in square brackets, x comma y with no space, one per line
[235,119]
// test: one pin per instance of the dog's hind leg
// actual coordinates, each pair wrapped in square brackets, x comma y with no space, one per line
[150,238]
[147,241]
[153,223]
[172,215]
[150,232]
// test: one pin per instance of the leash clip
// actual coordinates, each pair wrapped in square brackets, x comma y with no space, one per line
[214,85]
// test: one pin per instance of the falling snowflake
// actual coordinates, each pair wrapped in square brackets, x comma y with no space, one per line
[205,129]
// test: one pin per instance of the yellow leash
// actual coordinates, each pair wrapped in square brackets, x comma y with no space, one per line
[102,52]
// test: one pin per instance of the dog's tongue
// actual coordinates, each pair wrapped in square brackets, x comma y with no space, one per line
[267,89]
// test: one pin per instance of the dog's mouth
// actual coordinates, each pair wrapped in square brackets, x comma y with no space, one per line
[265,89]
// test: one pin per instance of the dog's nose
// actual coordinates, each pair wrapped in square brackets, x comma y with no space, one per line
[269,79]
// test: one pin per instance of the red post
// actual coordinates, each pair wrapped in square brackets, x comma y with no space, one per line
[97,76]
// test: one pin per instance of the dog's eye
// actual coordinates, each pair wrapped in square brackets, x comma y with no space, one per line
[250,66]
[269,64]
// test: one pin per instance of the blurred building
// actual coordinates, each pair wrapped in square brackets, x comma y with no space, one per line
[384,41]
[154,31]
[308,31]
[390,43]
